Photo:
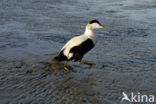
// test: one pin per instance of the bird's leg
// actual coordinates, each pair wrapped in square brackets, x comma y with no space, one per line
[79,62]
[86,62]
[66,66]
[89,63]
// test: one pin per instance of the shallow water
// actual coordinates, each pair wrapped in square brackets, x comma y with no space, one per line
[32,32]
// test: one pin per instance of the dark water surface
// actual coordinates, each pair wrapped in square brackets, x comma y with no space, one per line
[33,31]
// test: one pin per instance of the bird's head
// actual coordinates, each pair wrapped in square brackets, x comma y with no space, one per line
[95,24]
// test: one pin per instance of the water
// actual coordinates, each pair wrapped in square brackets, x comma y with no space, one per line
[32,32]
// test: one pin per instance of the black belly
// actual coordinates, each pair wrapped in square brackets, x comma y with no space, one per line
[79,51]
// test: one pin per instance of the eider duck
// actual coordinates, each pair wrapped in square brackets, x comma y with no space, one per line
[78,46]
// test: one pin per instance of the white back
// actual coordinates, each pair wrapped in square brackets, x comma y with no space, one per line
[75,41]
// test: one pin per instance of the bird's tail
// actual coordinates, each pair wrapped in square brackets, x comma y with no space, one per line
[56,58]
[59,57]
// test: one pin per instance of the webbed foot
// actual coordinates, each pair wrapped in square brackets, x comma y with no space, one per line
[89,63]
[66,69]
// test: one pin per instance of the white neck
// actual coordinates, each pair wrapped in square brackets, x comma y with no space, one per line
[88,31]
